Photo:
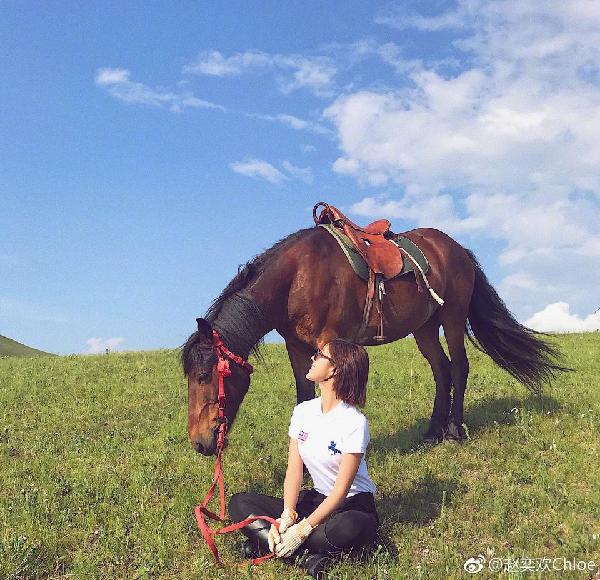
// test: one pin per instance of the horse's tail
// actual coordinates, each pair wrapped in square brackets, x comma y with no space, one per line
[492,329]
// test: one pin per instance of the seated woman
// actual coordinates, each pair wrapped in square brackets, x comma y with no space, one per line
[329,435]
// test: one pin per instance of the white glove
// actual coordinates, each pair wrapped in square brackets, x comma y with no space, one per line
[292,539]
[288,517]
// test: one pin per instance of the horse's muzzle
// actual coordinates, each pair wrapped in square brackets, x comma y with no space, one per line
[205,450]
[209,449]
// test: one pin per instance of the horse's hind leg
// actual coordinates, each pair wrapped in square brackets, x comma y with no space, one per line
[428,341]
[454,324]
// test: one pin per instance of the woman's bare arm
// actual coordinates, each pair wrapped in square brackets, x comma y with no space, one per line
[348,468]
[293,476]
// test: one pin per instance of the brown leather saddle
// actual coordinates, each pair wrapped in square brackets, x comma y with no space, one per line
[372,242]
[381,254]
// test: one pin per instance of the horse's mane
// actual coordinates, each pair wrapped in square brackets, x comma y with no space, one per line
[235,310]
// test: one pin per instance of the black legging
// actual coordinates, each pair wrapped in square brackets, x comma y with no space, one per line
[349,527]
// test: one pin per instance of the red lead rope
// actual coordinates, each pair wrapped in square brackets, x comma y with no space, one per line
[201,510]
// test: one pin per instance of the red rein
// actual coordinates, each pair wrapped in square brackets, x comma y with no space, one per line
[201,510]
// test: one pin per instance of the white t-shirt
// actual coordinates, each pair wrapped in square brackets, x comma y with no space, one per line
[323,437]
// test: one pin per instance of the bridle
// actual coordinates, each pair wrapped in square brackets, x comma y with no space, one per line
[201,511]
[224,355]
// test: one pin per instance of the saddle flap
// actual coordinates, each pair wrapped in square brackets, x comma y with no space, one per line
[385,260]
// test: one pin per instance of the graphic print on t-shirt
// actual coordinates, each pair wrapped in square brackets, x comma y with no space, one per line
[333,448]
[303,436]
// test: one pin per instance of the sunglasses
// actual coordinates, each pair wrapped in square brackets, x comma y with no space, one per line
[319,354]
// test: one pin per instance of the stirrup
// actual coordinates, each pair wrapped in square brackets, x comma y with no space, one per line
[379,294]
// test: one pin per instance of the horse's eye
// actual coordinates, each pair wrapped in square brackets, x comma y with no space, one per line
[204,377]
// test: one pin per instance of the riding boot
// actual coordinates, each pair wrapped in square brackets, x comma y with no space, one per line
[257,543]
[316,564]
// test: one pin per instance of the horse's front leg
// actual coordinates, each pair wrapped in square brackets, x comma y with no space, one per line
[299,354]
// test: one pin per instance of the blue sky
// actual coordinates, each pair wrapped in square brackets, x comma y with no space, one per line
[145,147]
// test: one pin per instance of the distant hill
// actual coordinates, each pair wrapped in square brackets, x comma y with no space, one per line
[10,347]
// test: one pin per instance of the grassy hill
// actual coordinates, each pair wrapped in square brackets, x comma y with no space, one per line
[9,347]
[98,479]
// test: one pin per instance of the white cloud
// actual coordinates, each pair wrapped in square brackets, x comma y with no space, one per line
[118,84]
[534,227]
[307,148]
[301,173]
[404,19]
[506,146]
[545,248]
[213,63]
[525,285]
[558,318]
[294,123]
[110,76]
[258,168]
[264,170]
[436,211]
[97,345]
[524,116]
[393,55]
[315,73]
[293,71]
[590,247]
[521,281]
[460,132]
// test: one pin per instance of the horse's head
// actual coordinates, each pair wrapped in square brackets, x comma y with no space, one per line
[199,359]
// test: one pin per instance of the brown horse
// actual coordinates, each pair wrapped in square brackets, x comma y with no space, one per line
[305,288]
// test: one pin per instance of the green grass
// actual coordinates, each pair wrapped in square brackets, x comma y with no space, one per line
[10,347]
[97,479]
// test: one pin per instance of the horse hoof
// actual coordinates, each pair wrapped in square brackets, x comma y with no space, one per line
[433,436]
[455,433]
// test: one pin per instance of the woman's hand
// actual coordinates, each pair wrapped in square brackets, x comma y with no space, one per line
[293,538]
[287,518]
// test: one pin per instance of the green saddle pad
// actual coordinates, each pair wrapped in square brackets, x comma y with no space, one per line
[360,266]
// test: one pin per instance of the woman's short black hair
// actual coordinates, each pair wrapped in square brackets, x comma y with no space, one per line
[351,371]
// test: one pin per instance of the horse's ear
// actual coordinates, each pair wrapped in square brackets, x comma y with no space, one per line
[204,328]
